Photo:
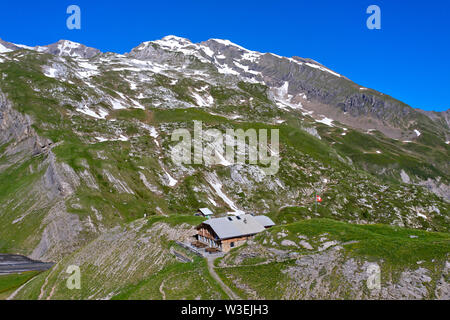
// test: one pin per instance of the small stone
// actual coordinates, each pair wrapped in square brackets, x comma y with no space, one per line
[281,235]
[328,244]
[306,245]
[288,243]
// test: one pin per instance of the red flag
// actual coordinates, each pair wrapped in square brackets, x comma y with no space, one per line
[318,199]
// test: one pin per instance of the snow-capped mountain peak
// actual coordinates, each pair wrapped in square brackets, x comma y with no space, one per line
[68,48]
[60,48]
[170,42]
[173,41]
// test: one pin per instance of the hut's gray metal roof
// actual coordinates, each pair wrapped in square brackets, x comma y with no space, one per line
[206,211]
[232,227]
[265,221]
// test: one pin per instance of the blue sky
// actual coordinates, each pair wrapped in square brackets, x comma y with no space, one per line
[409,58]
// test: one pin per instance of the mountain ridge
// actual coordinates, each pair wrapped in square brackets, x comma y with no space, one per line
[93,51]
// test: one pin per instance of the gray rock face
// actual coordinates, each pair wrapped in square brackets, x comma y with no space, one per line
[13,126]
[441,189]
[60,236]
[16,132]
[60,179]
[439,117]
[442,286]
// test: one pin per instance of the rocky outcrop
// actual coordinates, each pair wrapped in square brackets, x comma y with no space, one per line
[17,133]
[60,235]
[59,230]
[437,187]
[116,258]
[333,274]
[313,276]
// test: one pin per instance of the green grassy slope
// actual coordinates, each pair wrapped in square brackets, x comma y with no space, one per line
[394,249]
[9,283]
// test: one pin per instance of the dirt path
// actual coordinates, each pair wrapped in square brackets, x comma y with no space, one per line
[161,290]
[13,295]
[216,277]
[161,286]
[41,295]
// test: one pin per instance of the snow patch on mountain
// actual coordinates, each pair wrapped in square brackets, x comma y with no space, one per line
[116,104]
[246,68]
[251,56]
[202,97]
[50,72]
[225,69]
[421,215]
[87,69]
[22,46]
[327,121]
[215,183]
[202,102]
[171,181]
[100,114]
[178,44]
[283,90]
[229,43]
[207,51]
[152,131]
[284,100]
[323,69]
[120,138]
[4,49]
